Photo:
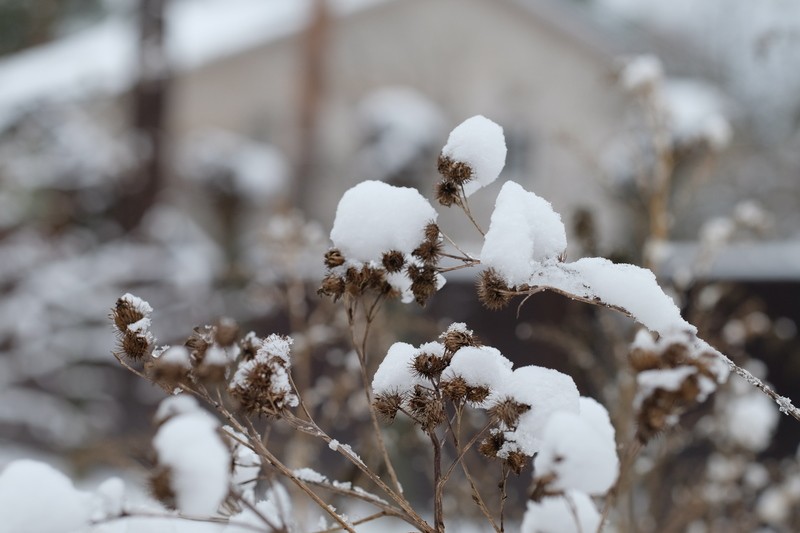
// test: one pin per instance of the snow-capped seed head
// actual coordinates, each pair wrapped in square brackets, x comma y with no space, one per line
[199,341]
[333,258]
[368,221]
[125,313]
[479,145]
[493,292]
[393,261]
[447,193]
[457,336]
[454,171]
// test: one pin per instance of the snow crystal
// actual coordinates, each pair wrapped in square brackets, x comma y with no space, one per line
[572,513]
[480,366]
[374,217]
[479,143]
[198,460]
[641,73]
[629,287]
[394,375]
[524,231]
[546,391]
[36,498]
[579,456]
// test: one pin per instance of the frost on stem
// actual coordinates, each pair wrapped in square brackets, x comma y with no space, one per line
[385,241]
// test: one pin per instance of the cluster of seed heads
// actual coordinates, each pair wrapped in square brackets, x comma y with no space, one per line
[354,279]
[449,190]
[659,409]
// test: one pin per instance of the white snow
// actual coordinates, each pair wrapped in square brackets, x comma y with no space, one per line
[578,455]
[199,461]
[572,513]
[479,143]
[480,366]
[394,375]
[374,217]
[276,509]
[667,379]
[524,231]
[632,288]
[175,405]
[36,498]
[547,391]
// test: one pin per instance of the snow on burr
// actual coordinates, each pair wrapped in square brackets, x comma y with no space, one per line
[546,391]
[199,462]
[524,231]
[394,374]
[374,217]
[479,143]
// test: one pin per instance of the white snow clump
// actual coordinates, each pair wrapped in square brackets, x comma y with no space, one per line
[37,498]
[374,217]
[572,513]
[199,462]
[479,143]
[524,231]
[579,450]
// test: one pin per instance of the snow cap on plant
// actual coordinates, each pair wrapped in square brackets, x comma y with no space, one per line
[131,316]
[385,241]
[473,157]
[262,385]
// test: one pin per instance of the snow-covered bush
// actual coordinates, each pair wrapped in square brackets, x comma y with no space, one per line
[461,395]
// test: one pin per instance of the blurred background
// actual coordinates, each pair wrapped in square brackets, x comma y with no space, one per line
[193,152]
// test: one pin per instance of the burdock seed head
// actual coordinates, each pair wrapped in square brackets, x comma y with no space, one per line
[492,290]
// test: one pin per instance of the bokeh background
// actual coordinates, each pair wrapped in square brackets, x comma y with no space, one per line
[193,152]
